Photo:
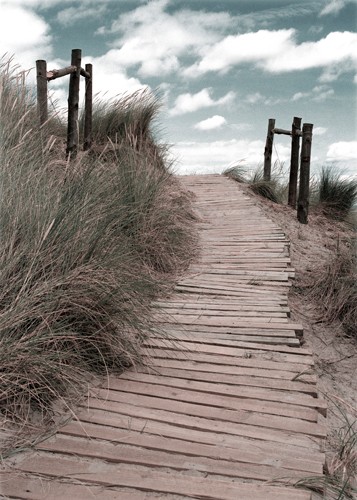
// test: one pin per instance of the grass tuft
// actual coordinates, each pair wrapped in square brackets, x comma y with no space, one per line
[274,190]
[336,196]
[335,288]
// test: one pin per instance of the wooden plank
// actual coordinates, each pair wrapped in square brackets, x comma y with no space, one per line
[264,340]
[238,448]
[31,487]
[126,454]
[251,392]
[224,401]
[248,424]
[235,380]
[250,372]
[244,358]
[291,354]
[230,321]
[153,481]
[170,329]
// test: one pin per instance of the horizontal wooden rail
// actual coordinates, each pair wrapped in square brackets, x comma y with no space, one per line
[58,73]
[286,132]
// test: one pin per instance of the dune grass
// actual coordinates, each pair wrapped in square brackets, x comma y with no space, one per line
[336,196]
[335,289]
[274,190]
[85,247]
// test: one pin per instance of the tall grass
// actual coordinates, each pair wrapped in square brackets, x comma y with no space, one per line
[335,195]
[85,247]
[274,190]
[335,289]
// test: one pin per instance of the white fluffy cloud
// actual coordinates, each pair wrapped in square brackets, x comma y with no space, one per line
[237,49]
[110,77]
[278,52]
[154,39]
[187,103]
[214,122]
[342,151]
[335,48]
[28,40]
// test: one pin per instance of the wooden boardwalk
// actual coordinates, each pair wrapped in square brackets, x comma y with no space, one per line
[228,408]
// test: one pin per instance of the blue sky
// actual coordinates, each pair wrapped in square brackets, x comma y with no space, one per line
[222,68]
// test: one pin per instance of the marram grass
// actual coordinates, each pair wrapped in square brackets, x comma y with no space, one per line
[85,247]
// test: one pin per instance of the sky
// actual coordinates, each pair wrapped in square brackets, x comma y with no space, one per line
[220,68]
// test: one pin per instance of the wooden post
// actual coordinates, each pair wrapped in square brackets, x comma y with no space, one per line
[41,77]
[303,202]
[88,108]
[73,104]
[268,149]
[294,161]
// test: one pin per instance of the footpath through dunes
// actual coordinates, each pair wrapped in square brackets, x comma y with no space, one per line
[227,408]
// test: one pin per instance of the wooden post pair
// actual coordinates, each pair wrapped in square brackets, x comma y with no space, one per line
[295,133]
[75,71]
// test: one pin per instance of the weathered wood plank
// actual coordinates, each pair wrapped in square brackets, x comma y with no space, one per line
[224,400]
[153,481]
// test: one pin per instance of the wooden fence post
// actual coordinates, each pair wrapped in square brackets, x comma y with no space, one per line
[268,149]
[88,107]
[73,104]
[303,202]
[41,78]
[294,161]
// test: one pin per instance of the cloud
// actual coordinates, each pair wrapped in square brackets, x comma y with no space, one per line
[43,4]
[214,122]
[278,52]
[342,151]
[238,49]
[188,103]
[335,48]
[110,77]
[71,15]
[333,7]
[319,130]
[254,98]
[155,40]
[214,157]
[318,94]
[28,39]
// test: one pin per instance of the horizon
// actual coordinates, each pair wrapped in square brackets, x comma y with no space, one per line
[222,69]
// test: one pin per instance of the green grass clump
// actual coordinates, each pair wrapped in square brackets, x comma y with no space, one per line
[336,196]
[86,246]
[274,190]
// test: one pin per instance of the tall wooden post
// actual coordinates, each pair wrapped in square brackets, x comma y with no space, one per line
[294,161]
[303,202]
[41,78]
[268,151]
[88,107]
[73,104]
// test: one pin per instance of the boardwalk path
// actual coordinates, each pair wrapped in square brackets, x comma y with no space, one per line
[227,408]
